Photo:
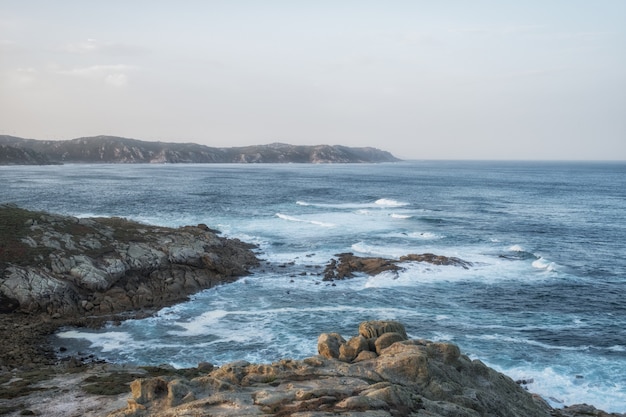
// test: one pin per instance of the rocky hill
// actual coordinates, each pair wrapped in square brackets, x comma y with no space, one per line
[14,155]
[111,149]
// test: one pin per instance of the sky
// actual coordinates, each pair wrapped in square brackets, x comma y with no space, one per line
[445,79]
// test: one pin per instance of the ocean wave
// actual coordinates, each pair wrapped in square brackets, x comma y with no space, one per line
[380,203]
[106,341]
[526,341]
[299,220]
[541,263]
[564,387]
[400,216]
[387,202]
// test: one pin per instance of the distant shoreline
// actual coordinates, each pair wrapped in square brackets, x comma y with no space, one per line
[111,149]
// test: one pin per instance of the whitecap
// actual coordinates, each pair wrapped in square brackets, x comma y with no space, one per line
[296,219]
[400,216]
[107,341]
[387,202]
[517,248]
[541,263]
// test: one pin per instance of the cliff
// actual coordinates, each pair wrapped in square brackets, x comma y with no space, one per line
[60,269]
[110,149]
[13,155]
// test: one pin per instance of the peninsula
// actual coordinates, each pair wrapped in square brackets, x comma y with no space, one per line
[117,150]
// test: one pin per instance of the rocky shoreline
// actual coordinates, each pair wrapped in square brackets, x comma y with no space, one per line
[63,271]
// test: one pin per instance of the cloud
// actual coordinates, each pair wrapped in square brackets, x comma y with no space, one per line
[21,77]
[116,80]
[94,46]
[113,75]
[497,30]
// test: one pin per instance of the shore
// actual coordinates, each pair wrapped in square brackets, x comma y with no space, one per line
[61,271]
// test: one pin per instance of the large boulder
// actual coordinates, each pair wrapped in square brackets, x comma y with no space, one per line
[409,378]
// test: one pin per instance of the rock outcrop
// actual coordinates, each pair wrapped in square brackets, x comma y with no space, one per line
[398,377]
[66,266]
[57,270]
[348,264]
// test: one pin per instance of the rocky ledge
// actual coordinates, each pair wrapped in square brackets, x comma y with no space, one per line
[60,269]
[377,373]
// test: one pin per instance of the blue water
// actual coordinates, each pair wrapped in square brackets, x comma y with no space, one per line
[544,300]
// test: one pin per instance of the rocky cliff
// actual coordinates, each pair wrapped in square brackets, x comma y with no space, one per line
[14,155]
[110,149]
[67,269]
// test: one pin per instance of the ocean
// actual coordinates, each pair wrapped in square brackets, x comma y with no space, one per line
[544,301]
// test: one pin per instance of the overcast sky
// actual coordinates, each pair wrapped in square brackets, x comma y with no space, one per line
[532,79]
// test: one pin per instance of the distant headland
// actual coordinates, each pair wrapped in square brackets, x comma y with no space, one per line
[118,150]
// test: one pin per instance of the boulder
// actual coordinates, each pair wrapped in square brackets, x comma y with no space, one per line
[387,339]
[376,328]
[408,378]
[328,345]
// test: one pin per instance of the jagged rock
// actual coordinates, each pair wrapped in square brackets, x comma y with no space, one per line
[145,390]
[408,378]
[348,264]
[436,260]
[67,266]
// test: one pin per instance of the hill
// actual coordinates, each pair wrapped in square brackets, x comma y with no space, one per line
[112,149]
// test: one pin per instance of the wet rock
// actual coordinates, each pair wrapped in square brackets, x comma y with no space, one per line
[347,264]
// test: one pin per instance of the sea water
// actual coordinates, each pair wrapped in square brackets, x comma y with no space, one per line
[543,301]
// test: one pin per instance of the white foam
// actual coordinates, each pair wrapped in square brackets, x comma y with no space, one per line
[524,341]
[561,389]
[387,202]
[400,216]
[107,341]
[517,248]
[296,219]
[541,263]
[426,235]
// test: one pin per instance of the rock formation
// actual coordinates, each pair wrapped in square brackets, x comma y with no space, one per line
[397,377]
[66,266]
[348,264]
[69,270]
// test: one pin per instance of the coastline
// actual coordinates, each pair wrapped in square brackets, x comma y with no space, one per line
[30,368]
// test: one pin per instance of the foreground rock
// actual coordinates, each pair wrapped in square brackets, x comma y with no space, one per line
[58,268]
[397,377]
[348,264]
